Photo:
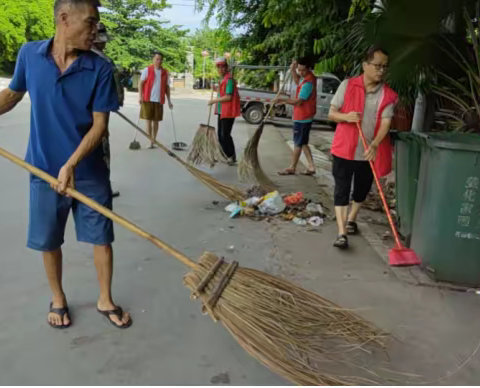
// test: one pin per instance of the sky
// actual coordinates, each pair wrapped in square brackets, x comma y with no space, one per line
[183,13]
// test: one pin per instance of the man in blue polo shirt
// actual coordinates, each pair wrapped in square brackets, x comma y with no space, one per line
[72,91]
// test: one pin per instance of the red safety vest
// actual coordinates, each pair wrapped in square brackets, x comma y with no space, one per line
[346,136]
[230,109]
[148,85]
[307,109]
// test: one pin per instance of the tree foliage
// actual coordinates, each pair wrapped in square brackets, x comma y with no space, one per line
[216,42]
[22,21]
[133,25]
[137,33]
[273,32]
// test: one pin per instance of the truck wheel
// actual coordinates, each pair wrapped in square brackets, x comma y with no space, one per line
[254,114]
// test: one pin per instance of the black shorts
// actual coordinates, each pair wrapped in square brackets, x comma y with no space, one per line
[301,133]
[344,171]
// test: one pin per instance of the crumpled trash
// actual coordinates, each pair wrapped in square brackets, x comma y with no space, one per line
[299,221]
[315,221]
[314,208]
[294,199]
[234,209]
[272,204]
[237,212]
[251,202]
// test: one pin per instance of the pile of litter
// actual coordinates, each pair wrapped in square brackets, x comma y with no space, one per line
[290,207]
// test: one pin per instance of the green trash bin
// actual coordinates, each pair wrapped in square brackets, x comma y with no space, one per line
[408,154]
[446,228]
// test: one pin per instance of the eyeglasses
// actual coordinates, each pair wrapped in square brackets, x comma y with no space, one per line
[378,66]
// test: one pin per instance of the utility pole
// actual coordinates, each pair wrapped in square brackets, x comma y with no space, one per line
[205,55]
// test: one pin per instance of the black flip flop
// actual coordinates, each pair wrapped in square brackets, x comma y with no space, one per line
[119,313]
[352,228]
[59,311]
[341,242]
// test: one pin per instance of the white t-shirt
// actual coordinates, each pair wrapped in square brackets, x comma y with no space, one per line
[157,84]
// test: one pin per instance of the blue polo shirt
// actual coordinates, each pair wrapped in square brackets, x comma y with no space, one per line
[63,106]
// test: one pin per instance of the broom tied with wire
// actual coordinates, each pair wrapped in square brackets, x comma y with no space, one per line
[299,335]
[249,168]
[229,192]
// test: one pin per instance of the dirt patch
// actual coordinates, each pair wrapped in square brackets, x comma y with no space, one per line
[222,378]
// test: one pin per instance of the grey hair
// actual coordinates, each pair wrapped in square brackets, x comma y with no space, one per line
[60,3]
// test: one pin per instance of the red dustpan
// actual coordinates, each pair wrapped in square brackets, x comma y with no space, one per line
[398,256]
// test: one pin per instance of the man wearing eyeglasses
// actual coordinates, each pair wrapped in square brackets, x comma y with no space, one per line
[367,100]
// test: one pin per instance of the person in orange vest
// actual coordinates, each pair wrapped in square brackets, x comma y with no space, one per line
[152,89]
[227,108]
[367,100]
[304,110]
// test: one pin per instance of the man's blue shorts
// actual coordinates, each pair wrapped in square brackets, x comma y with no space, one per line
[49,212]
[301,133]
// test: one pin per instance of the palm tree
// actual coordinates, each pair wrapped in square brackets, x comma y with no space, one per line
[433,47]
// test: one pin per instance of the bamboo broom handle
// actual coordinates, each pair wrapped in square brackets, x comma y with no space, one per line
[278,93]
[211,185]
[101,209]
[210,110]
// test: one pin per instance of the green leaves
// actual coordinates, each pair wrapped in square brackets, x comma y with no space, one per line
[22,21]
[215,42]
[136,33]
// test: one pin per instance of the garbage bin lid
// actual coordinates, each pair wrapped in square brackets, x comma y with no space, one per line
[454,141]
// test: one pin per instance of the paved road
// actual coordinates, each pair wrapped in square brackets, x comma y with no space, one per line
[170,342]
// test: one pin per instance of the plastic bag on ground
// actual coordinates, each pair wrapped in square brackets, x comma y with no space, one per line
[299,221]
[314,208]
[272,204]
[294,198]
[315,221]
[232,207]
[253,201]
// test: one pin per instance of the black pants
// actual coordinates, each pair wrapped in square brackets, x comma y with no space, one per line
[225,139]
[344,171]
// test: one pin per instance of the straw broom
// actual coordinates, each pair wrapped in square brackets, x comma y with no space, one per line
[296,333]
[249,169]
[229,192]
[205,148]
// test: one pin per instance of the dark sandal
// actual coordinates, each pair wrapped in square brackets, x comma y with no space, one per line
[59,311]
[119,314]
[341,242]
[309,173]
[352,228]
[287,171]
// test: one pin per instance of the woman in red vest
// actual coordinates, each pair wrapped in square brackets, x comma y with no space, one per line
[227,108]
[367,100]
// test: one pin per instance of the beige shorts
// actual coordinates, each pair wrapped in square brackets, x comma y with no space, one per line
[152,111]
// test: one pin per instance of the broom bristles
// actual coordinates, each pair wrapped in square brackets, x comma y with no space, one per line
[205,148]
[249,168]
[301,336]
